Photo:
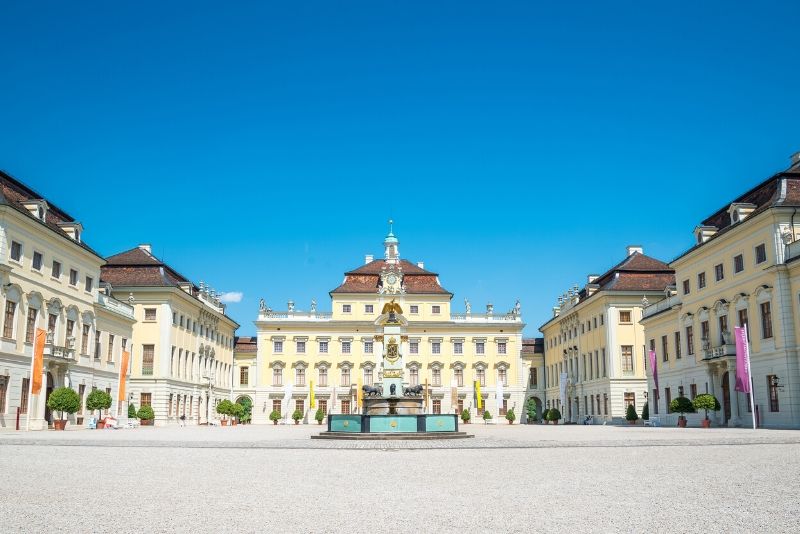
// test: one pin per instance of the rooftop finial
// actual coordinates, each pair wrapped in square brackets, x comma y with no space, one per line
[391,224]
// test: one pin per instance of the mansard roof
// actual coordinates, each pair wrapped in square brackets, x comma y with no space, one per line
[137,267]
[366,279]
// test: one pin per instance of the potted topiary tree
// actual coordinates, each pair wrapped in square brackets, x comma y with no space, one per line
[645,412]
[319,416]
[630,415]
[225,407]
[706,402]
[510,416]
[237,411]
[131,411]
[465,416]
[554,415]
[146,415]
[63,400]
[297,415]
[275,416]
[681,405]
[487,416]
[247,404]
[546,416]
[530,411]
[98,400]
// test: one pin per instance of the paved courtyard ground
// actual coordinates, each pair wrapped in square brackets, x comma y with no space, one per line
[506,479]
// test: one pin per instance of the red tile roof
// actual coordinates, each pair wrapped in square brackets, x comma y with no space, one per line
[137,267]
[366,279]
[533,345]
[245,344]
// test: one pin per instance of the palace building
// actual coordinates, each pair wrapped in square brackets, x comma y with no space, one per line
[333,354]
[51,282]
[743,270]
[182,353]
[594,345]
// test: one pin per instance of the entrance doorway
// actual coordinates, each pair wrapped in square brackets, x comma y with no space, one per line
[48,415]
[726,397]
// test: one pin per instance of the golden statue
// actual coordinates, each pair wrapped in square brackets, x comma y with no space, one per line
[392,307]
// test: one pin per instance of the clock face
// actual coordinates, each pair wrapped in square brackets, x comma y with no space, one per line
[392,279]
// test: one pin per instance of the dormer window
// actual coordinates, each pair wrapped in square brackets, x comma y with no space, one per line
[704,233]
[73,230]
[37,208]
[739,211]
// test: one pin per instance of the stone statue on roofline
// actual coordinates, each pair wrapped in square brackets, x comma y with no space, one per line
[262,306]
[313,306]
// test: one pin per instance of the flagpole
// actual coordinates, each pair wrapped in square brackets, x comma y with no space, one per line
[749,375]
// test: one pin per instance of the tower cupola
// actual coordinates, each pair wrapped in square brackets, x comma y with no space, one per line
[390,244]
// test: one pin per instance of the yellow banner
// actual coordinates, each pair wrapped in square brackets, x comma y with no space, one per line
[478,394]
[359,394]
[312,402]
[38,361]
[123,372]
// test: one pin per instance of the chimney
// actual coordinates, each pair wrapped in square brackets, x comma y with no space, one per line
[368,259]
[632,249]
[591,278]
[421,264]
[146,247]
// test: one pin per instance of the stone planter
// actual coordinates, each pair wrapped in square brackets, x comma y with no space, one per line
[59,424]
[682,422]
[234,422]
[706,423]
[224,422]
[631,422]
[146,422]
[101,424]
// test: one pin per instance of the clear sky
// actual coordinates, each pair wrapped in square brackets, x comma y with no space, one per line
[519,146]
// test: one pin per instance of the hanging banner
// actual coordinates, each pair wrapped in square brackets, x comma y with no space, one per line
[742,360]
[312,402]
[563,390]
[478,398]
[123,373]
[38,361]
[654,367]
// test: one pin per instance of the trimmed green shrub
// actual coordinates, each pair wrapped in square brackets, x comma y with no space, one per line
[98,400]
[297,415]
[510,416]
[247,404]
[146,413]
[465,415]
[64,400]
[225,407]
[530,409]
[706,402]
[631,414]
[275,415]
[237,410]
[131,411]
[681,405]
[646,412]
[553,414]
[487,415]
[320,415]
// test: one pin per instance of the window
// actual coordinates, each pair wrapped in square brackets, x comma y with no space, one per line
[323,377]
[300,406]
[346,308]
[244,376]
[97,345]
[181,321]
[8,325]
[594,321]
[145,399]
[677,345]
[437,376]
[625,316]
[345,347]
[533,377]
[368,308]
[689,340]
[704,333]
[667,399]
[436,309]
[148,354]
[761,253]
[719,272]
[149,314]
[627,358]
[686,287]
[346,407]
[345,376]
[738,263]
[480,376]
[301,347]
[16,251]
[413,347]
[460,409]
[73,277]
[323,347]
[701,280]
[3,392]
[413,374]
[437,406]
[480,348]
[436,347]
[90,284]
[56,269]
[277,346]
[604,362]
[23,397]
[602,320]
[110,355]
[502,376]
[70,327]
[501,347]
[30,325]
[692,391]
[766,320]
[276,406]
[368,376]
[36,264]
[772,386]
[630,399]
[459,375]
[414,309]
[458,347]
[323,406]
[605,403]
[81,393]
[85,339]
[299,377]
[743,320]
[277,376]
[664,349]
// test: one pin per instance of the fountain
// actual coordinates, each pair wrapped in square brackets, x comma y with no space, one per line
[392,409]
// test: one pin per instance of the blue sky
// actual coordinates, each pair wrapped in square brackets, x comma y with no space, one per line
[519,146]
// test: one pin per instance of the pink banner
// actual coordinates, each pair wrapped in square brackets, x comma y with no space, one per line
[654,367]
[742,360]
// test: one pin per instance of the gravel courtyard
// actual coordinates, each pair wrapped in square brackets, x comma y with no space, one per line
[506,479]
